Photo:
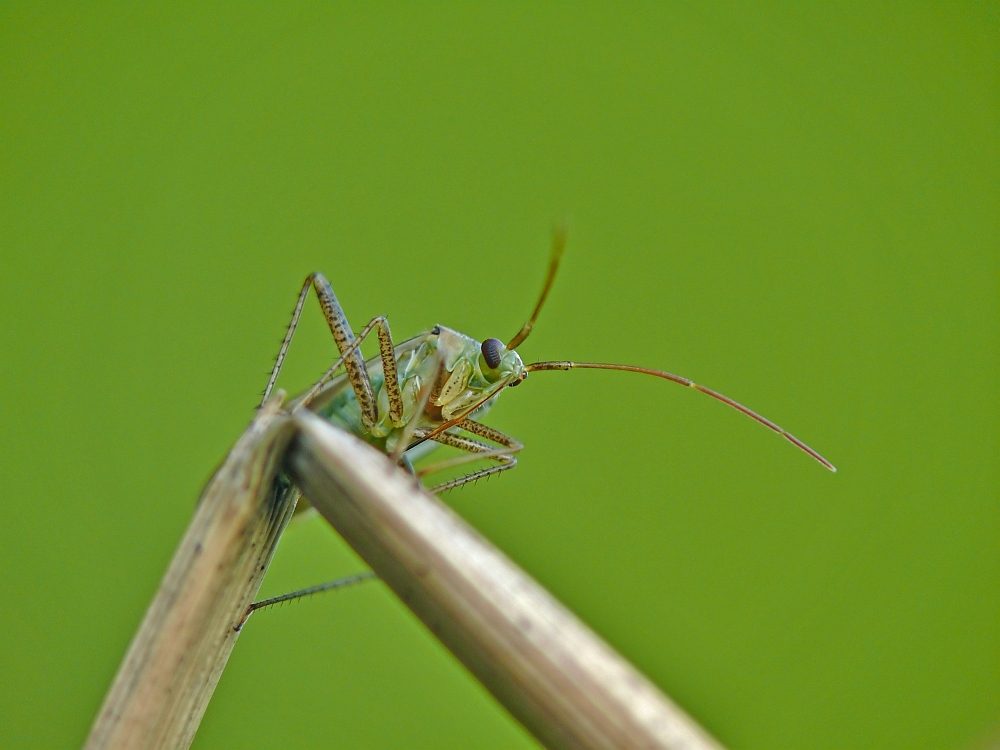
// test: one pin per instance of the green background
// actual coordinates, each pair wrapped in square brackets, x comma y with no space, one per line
[797,206]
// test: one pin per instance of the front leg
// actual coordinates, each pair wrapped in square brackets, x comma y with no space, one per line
[388,364]
[351,357]
[354,363]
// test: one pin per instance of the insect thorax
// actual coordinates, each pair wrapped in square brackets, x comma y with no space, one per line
[463,379]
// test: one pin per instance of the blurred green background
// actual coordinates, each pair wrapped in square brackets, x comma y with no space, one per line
[797,206]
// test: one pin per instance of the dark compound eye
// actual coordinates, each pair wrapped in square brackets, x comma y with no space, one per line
[493,352]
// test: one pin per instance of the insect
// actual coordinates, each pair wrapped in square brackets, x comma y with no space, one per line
[433,388]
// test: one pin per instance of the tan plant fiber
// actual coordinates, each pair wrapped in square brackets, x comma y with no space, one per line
[175,660]
[555,675]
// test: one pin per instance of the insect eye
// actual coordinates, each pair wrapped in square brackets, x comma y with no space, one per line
[493,352]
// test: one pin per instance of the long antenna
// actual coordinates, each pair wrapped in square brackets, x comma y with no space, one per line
[540,366]
[558,245]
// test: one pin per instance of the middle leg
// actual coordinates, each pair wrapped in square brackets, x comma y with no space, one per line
[476,451]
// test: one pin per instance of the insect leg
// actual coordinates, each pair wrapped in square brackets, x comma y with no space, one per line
[390,376]
[477,451]
[491,433]
[288,338]
[399,453]
[328,586]
[377,322]
[508,462]
[354,363]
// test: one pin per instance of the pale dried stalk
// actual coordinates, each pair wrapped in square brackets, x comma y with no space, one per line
[556,676]
[177,656]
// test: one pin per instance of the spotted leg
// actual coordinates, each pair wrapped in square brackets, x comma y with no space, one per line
[477,451]
[351,357]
